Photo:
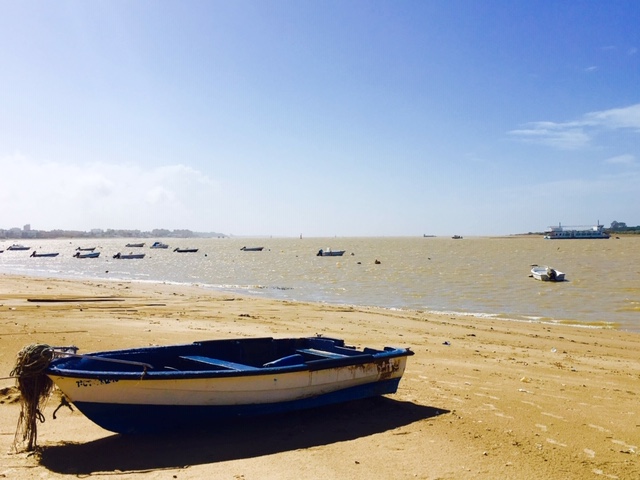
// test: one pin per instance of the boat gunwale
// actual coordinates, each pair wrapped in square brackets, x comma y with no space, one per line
[336,359]
[158,374]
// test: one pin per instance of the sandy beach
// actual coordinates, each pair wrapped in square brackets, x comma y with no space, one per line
[480,399]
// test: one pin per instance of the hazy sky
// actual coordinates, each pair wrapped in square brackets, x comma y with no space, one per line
[321,118]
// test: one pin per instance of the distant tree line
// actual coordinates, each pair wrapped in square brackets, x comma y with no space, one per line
[621,227]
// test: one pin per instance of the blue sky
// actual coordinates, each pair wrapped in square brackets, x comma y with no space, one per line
[327,118]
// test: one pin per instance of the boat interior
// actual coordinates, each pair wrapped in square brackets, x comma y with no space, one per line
[239,356]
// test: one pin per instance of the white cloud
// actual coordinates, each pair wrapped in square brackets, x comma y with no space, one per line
[555,135]
[627,117]
[52,195]
[626,159]
[578,134]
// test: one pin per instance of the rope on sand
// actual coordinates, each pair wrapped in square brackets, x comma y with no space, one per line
[35,387]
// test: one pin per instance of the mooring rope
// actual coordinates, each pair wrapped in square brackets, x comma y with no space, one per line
[35,387]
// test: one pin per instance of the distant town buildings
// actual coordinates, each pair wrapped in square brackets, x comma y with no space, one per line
[29,233]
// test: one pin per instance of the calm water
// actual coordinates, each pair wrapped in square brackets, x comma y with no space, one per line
[472,276]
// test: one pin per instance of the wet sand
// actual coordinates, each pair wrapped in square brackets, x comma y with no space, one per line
[480,399]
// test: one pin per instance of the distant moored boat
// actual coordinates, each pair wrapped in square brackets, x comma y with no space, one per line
[87,254]
[16,246]
[128,256]
[330,253]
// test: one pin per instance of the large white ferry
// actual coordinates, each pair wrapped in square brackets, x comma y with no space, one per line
[568,233]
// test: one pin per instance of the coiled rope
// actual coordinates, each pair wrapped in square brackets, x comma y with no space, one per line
[35,387]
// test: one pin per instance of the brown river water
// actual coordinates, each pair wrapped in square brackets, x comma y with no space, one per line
[474,276]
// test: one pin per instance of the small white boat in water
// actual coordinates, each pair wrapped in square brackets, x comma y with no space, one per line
[546,274]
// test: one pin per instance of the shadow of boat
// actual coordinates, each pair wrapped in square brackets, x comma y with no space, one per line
[247,438]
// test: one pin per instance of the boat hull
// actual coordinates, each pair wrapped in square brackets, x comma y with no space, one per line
[577,237]
[139,418]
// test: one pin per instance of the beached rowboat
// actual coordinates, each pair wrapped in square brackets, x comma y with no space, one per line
[160,388]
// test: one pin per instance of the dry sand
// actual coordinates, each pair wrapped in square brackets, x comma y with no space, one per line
[480,399]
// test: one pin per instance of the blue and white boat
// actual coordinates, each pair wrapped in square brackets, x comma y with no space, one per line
[575,233]
[162,388]
[87,254]
[330,253]
[17,246]
[159,245]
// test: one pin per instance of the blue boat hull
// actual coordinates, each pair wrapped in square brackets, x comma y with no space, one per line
[140,419]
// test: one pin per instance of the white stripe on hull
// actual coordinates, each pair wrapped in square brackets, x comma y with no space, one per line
[233,390]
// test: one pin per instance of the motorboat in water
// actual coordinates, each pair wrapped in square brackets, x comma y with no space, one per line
[546,274]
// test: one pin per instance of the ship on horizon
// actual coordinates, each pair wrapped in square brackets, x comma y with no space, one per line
[576,232]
